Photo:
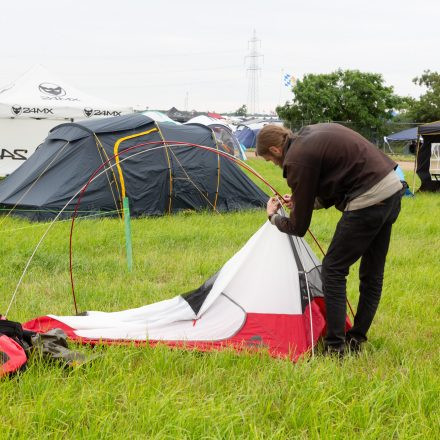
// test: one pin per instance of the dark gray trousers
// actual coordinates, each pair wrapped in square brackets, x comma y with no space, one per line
[361,234]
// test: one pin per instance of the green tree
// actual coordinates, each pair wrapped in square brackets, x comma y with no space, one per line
[242,111]
[427,107]
[358,99]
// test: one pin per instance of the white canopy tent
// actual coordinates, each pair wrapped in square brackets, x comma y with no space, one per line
[37,102]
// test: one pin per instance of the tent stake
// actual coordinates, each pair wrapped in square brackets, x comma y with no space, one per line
[128,247]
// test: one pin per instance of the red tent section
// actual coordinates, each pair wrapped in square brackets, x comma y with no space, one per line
[215,115]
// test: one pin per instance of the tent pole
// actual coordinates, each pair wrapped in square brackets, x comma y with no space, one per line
[128,247]
[415,164]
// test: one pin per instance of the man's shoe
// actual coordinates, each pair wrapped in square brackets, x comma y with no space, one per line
[352,345]
[337,351]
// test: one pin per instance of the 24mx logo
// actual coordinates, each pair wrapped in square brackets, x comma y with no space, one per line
[89,112]
[17,154]
[18,110]
[51,89]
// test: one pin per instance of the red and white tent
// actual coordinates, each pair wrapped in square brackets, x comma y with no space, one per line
[267,295]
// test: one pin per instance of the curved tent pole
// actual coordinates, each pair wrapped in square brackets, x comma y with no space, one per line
[176,143]
[116,157]
[98,172]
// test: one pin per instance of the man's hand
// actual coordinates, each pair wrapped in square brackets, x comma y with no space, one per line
[273,205]
[288,200]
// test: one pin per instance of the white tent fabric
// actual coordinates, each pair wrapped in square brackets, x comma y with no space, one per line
[40,94]
[207,120]
[159,117]
[34,104]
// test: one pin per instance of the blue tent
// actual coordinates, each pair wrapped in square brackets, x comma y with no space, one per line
[409,134]
[247,136]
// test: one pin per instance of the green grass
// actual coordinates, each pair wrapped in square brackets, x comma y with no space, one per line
[390,391]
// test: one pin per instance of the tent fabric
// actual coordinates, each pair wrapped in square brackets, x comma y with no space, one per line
[429,129]
[37,102]
[426,172]
[157,182]
[223,133]
[159,117]
[239,307]
[40,94]
[247,136]
[207,120]
[215,115]
[404,135]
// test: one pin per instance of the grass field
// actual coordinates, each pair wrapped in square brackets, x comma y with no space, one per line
[390,391]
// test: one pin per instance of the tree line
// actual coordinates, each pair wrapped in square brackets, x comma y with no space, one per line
[360,100]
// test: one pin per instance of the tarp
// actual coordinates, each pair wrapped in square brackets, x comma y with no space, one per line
[409,134]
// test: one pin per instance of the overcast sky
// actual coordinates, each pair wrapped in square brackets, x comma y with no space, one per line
[153,54]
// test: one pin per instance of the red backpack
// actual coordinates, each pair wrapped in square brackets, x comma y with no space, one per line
[12,347]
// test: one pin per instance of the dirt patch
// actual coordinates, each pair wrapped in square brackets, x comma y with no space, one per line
[406,165]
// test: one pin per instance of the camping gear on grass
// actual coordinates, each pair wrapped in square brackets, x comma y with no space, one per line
[17,345]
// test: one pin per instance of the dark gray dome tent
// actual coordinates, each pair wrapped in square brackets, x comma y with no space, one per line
[161,179]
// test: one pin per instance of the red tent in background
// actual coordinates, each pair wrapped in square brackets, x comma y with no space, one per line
[215,115]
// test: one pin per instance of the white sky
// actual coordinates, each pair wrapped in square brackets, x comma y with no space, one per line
[153,53]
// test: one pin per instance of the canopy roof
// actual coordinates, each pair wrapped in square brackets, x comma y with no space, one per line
[430,129]
[405,135]
[41,94]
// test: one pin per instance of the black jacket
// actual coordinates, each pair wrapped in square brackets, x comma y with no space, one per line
[331,163]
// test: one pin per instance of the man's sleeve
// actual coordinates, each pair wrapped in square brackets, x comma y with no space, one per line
[303,181]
